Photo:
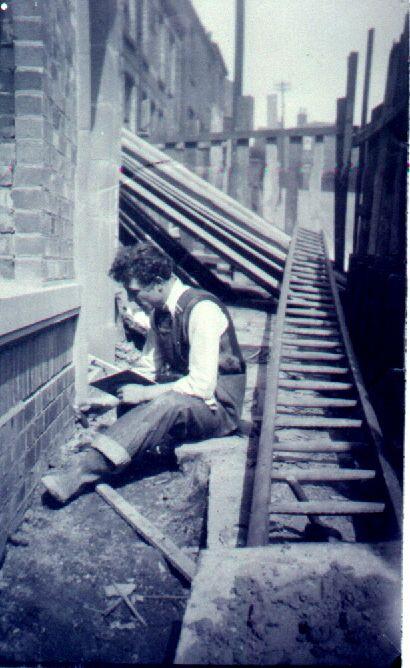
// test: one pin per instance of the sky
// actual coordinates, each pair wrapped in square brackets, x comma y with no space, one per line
[306,43]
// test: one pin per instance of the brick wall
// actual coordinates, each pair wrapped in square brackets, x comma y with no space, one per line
[38,132]
[41,94]
[7,145]
[36,391]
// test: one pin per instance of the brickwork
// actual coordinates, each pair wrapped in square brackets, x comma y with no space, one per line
[38,140]
[36,394]
[7,146]
[38,119]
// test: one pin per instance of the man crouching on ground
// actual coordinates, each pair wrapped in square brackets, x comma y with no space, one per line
[199,369]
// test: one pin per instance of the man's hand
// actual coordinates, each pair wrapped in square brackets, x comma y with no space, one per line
[132,394]
[98,403]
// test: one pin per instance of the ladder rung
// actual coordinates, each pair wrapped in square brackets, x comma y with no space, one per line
[309,243]
[325,508]
[321,385]
[312,313]
[324,474]
[316,445]
[303,355]
[311,343]
[316,422]
[305,400]
[309,250]
[309,257]
[300,289]
[310,303]
[308,283]
[312,332]
[310,322]
[308,273]
[305,265]
[313,265]
[309,298]
[313,368]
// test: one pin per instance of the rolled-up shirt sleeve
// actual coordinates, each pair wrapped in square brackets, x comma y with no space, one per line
[206,325]
[149,363]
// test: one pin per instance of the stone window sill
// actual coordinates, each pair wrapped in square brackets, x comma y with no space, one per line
[25,309]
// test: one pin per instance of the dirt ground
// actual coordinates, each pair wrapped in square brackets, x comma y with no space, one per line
[52,584]
[334,616]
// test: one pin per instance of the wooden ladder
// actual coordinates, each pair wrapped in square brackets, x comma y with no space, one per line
[312,371]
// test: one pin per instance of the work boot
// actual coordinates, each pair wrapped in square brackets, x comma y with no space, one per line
[65,485]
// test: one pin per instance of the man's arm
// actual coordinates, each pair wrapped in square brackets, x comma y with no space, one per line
[206,325]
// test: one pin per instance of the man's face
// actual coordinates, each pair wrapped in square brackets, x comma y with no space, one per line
[148,297]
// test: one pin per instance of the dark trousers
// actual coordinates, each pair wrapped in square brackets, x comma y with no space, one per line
[167,421]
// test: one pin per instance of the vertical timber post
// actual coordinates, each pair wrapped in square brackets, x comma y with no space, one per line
[343,160]
[292,183]
[237,84]
[340,207]
[363,147]
[236,93]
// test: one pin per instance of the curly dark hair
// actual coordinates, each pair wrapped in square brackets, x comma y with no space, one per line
[142,261]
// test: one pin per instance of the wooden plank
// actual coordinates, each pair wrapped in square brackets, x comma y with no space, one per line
[314,368]
[324,475]
[309,355]
[320,385]
[316,445]
[258,532]
[392,483]
[148,531]
[172,172]
[307,401]
[326,508]
[259,275]
[314,422]
[198,213]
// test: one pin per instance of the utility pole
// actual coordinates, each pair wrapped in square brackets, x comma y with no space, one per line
[238,80]
[283,87]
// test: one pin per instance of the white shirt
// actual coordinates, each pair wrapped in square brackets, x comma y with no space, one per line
[207,323]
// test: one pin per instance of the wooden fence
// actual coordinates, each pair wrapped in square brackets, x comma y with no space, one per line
[262,169]
[376,278]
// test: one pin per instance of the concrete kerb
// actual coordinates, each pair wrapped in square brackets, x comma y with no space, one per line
[227,458]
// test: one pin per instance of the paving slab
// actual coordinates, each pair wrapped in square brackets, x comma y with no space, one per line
[305,604]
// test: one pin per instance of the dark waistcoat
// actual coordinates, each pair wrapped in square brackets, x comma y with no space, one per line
[173,342]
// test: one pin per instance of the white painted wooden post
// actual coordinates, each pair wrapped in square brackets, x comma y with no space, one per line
[216,169]
[270,193]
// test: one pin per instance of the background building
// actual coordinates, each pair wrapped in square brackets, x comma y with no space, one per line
[173,73]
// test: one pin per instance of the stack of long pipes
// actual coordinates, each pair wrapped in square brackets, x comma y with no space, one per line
[165,186]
